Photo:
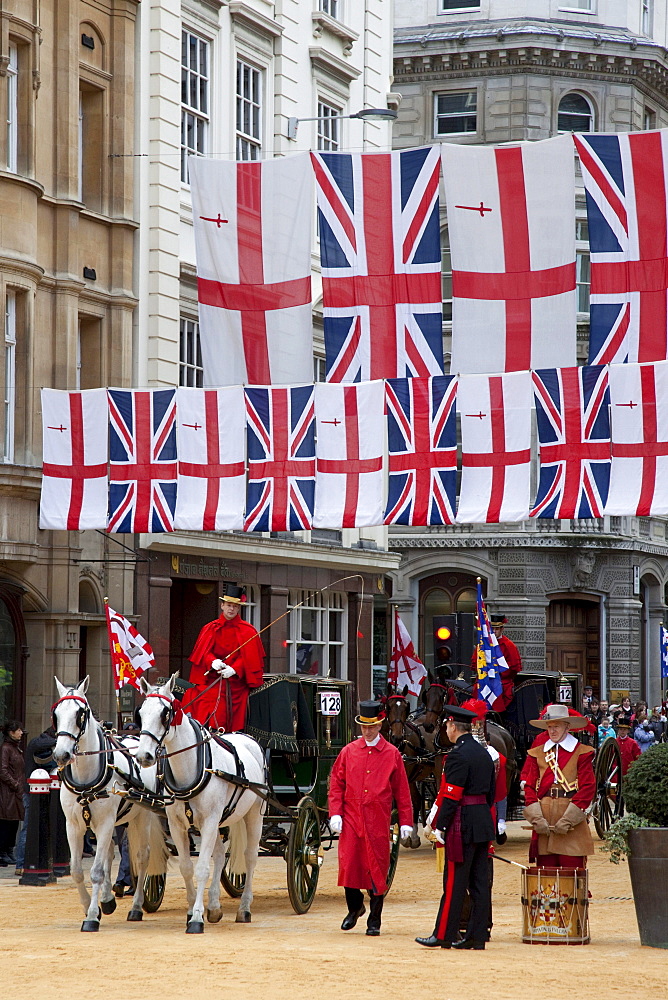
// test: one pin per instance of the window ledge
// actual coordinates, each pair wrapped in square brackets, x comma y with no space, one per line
[325,22]
[16,178]
[240,11]
[331,64]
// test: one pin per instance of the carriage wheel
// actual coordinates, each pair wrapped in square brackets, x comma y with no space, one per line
[303,855]
[233,885]
[395,843]
[608,774]
[154,892]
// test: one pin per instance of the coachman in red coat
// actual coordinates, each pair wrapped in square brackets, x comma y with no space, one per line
[229,651]
[367,776]
[513,659]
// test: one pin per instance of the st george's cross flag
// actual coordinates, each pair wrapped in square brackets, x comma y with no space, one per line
[639,419]
[281,458]
[422,445]
[406,669]
[131,654]
[350,421]
[75,453]
[211,483]
[625,177]
[495,414]
[573,419]
[253,248]
[511,225]
[142,460]
[381,263]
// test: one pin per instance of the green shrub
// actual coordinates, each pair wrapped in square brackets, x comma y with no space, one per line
[645,787]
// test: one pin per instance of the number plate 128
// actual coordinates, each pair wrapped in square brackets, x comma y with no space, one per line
[330,702]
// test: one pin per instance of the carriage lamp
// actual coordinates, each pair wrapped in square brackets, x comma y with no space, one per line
[366,114]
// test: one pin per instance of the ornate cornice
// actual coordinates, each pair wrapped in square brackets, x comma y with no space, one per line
[324,22]
[602,544]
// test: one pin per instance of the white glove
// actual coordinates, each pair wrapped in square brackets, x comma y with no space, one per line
[217,665]
[227,671]
[501,825]
[440,836]
[432,815]
[335,824]
[405,832]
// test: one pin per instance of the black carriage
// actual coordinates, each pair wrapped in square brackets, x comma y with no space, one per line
[533,691]
[302,723]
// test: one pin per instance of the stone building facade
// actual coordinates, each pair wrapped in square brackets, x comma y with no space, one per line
[579,595]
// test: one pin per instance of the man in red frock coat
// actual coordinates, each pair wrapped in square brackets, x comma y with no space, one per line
[230,651]
[367,776]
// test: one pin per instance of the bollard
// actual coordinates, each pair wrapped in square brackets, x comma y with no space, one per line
[60,849]
[37,866]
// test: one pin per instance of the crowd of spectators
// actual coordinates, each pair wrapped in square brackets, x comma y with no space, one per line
[636,721]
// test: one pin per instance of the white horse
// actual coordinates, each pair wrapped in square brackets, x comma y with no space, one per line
[92,771]
[191,752]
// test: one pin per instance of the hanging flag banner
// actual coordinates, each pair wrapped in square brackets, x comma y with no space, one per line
[380,253]
[349,468]
[495,413]
[211,484]
[422,439]
[625,177]
[664,651]
[639,428]
[490,661]
[131,654]
[253,234]
[75,454]
[573,419]
[281,458]
[511,227]
[406,669]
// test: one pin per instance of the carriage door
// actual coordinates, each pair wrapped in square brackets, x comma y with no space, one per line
[573,639]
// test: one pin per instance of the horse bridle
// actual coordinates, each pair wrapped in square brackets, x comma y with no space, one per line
[83,715]
[166,722]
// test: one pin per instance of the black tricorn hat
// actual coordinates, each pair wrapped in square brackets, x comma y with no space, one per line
[453,713]
[370,713]
[234,594]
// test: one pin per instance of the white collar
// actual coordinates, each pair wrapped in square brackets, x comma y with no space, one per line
[568,743]
[373,742]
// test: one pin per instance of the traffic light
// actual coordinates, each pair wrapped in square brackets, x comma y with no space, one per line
[444,636]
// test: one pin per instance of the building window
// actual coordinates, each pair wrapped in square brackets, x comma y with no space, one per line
[191,370]
[194,99]
[13,109]
[90,353]
[249,112]
[316,634]
[449,6]
[582,273]
[575,114]
[646,17]
[649,119]
[319,369]
[330,7]
[249,610]
[328,127]
[446,275]
[455,113]
[10,376]
[92,123]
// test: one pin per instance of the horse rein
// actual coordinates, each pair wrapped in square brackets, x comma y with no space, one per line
[160,741]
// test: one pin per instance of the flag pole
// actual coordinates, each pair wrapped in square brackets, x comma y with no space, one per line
[113,663]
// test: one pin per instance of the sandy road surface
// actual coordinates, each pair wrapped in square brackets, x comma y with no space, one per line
[283,956]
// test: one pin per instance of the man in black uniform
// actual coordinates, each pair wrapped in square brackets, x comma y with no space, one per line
[464,822]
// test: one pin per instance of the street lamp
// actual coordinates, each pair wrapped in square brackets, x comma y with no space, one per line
[366,114]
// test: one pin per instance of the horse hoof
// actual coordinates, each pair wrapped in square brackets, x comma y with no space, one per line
[243,917]
[406,842]
[90,925]
[108,905]
[135,915]
[213,916]
[414,843]
[195,927]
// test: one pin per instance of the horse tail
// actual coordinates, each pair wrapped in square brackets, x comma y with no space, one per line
[150,831]
[238,842]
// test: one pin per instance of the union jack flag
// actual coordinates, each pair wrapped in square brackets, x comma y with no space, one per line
[281,458]
[625,185]
[381,263]
[142,452]
[573,417]
[422,437]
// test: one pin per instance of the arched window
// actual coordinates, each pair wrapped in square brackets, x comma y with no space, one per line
[8,663]
[575,114]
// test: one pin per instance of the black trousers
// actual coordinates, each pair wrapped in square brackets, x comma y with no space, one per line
[354,900]
[473,874]
[8,831]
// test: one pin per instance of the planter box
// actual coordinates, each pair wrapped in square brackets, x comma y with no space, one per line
[648,865]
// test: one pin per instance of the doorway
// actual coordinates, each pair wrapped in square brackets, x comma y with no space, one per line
[573,639]
[191,605]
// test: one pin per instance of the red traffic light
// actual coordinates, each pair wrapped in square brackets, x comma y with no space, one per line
[443,632]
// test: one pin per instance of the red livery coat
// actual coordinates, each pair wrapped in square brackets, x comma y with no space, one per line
[364,781]
[629,750]
[219,640]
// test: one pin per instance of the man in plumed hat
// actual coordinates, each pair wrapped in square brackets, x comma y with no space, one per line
[368,775]
[229,655]
[464,824]
[559,786]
